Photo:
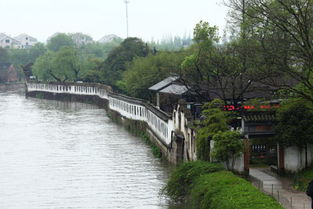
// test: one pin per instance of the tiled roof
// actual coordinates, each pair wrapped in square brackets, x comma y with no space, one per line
[174,89]
[162,84]
[259,116]
[23,36]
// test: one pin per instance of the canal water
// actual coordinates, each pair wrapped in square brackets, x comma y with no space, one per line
[72,156]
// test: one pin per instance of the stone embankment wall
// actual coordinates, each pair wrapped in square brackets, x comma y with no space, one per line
[161,126]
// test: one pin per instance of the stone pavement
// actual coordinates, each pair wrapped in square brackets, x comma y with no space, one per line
[280,189]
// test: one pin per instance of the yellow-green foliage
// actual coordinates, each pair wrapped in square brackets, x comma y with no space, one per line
[228,145]
[224,190]
[215,120]
[183,177]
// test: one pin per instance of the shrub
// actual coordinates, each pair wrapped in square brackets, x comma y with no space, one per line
[302,179]
[224,190]
[181,180]
[228,145]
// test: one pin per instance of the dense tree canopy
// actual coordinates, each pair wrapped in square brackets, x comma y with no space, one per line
[117,60]
[221,70]
[60,40]
[214,120]
[144,72]
[283,29]
[63,65]
[20,57]
[227,146]
[294,124]
[4,57]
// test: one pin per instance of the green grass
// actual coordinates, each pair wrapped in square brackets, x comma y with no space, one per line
[302,179]
[182,178]
[224,190]
[206,185]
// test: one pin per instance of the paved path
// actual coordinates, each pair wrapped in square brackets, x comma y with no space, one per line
[277,188]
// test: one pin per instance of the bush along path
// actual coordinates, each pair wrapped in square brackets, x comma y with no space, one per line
[205,185]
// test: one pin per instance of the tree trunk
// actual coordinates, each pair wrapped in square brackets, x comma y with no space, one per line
[306,155]
[227,164]
[233,163]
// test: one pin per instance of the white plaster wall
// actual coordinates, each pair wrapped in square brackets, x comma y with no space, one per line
[181,126]
[295,158]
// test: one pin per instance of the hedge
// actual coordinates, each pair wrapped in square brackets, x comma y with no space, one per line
[224,190]
[182,178]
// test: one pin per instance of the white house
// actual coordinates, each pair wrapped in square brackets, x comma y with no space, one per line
[8,42]
[26,41]
[81,39]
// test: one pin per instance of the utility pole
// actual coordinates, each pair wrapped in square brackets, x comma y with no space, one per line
[126,3]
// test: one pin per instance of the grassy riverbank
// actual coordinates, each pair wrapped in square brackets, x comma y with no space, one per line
[208,186]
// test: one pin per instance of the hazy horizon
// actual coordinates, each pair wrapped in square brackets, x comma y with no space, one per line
[147,19]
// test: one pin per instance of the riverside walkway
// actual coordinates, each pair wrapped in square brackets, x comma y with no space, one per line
[279,188]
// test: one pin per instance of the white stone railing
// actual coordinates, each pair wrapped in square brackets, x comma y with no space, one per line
[132,108]
[71,88]
[158,121]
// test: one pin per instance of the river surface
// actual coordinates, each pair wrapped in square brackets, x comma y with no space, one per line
[71,155]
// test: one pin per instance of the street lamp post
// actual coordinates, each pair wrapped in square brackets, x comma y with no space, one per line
[126,3]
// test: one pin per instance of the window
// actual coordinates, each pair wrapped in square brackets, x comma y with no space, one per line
[7,41]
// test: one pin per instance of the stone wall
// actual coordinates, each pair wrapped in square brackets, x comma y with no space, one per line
[295,158]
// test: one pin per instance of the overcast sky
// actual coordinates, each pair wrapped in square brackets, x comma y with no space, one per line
[147,18]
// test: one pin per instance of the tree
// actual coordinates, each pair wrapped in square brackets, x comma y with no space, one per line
[64,65]
[144,72]
[93,71]
[19,57]
[58,41]
[221,70]
[71,64]
[4,57]
[117,59]
[196,72]
[284,30]
[227,146]
[36,51]
[43,68]
[213,121]
[294,125]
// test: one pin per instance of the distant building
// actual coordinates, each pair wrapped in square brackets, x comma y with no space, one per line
[81,39]
[25,41]
[22,41]
[109,38]
[8,42]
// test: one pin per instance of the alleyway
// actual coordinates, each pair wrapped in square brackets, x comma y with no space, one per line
[279,188]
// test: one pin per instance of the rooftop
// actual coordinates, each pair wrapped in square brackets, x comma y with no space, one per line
[174,89]
[164,83]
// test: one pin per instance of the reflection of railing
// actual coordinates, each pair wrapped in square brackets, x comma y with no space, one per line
[132,108]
